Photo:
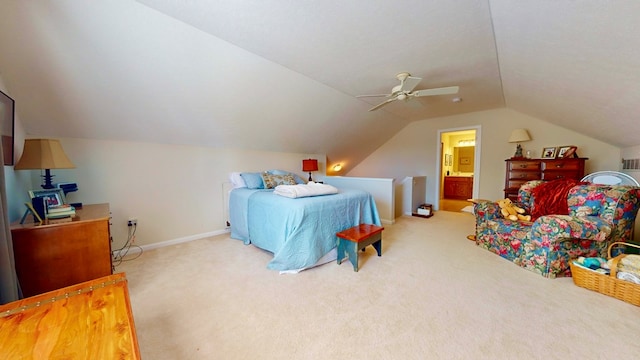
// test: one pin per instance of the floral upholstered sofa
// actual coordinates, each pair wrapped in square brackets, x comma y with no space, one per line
[597,216]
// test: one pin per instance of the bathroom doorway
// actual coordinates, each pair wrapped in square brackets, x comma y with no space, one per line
[459,151]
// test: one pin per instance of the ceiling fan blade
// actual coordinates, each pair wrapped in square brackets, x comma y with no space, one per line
[374,95]
[382,104]
[410,83]
[437,91]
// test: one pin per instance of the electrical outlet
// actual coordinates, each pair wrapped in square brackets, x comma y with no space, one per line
[132,221]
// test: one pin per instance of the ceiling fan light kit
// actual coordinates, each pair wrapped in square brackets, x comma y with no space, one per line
[405,92]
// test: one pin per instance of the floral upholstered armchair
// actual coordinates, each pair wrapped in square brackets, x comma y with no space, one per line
[596,216]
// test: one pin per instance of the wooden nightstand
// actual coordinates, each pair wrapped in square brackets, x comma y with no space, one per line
[52,256]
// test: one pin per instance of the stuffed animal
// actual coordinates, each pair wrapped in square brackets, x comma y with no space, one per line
[512,212]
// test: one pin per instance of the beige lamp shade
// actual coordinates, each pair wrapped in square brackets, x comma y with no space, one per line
[519,135]
[43,154]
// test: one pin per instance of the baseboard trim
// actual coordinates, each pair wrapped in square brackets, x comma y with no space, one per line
[141,248]
[181,240]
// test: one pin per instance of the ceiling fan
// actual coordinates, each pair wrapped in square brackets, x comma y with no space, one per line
[404,91]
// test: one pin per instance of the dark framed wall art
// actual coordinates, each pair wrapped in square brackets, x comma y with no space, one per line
[7,112]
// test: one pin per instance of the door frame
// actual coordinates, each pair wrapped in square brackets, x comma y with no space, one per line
[476,166]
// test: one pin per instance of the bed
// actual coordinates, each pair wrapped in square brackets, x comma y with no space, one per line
[300,232]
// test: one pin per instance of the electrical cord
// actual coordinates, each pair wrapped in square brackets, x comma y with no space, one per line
[118,256]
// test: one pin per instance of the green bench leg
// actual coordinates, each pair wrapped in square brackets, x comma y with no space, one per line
[346,247]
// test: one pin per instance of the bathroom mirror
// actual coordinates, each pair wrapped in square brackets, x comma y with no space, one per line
[463,159]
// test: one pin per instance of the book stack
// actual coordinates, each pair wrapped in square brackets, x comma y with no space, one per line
[61,212]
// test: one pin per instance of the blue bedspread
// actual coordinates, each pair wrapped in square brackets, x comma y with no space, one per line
[297,231]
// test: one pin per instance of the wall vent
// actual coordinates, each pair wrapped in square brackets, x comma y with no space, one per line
[630,164]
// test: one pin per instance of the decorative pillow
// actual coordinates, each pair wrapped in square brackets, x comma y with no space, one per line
[237,181]
[253,180]
[550,198]
[298,179]
[271,181]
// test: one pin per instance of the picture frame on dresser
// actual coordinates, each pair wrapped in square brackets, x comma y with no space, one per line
[549,152]
[567,151]
[55,197]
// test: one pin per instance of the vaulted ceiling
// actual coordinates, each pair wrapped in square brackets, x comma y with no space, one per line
[283,75]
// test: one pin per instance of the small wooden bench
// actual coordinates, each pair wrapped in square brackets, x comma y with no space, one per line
[352,240]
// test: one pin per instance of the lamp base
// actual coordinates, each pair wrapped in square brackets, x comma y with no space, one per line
[47,179]
[310,179]
[518,151]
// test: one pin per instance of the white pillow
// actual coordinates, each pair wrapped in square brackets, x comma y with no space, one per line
[237,181]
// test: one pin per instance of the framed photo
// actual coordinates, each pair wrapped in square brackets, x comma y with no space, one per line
[55,197]
[549,152]
[567,151]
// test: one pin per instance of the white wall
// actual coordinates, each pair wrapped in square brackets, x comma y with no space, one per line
[632,152]
[413,151]
[413,194]
[174,191]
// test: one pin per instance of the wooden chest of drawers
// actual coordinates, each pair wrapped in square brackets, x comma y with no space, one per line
[520,171]
[51,256]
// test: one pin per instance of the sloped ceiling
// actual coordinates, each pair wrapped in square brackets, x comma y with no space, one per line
[283,75]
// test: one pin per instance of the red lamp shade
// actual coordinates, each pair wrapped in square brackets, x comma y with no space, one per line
[310,165]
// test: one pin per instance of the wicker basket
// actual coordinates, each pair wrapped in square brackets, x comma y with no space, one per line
[608,284]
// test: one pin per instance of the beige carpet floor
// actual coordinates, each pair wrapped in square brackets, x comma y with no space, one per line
[432,295]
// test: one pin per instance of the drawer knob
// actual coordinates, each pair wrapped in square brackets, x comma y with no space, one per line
[559,165]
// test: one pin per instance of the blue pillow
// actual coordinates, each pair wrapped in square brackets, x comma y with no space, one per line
[253,180]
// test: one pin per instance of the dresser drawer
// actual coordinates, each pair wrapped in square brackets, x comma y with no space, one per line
[524,165]
[524,175]
[519,171]
[515,184]
[553,175]
[560,164]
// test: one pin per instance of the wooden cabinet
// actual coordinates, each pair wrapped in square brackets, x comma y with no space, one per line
[52,256]
[458,187]
[520,171]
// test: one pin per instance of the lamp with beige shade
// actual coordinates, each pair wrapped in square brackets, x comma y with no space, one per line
[43,154]
[518,136]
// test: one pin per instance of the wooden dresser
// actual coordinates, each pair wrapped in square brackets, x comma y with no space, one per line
[520,171]
[90,320]
[52,256]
